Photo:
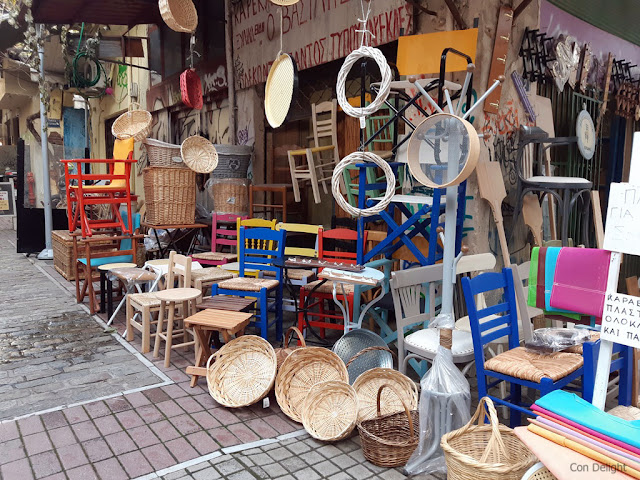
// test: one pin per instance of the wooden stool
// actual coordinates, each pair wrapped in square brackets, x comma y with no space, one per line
[186,296]
[204,323]
[270,188]
[103,270]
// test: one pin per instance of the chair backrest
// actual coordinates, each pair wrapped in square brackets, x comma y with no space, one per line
[303,229]
[254,223]
[259,247]
[344,234]
[180,269]
[126,243]
[325,123]
[384,140]
[122,150]
[224,236]
[506,322]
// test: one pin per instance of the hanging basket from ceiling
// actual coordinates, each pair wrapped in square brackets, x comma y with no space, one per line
[191,89]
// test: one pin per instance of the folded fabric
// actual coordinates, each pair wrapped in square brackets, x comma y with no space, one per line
[575,409]
[550,261]
[533,277]
[624,457]
[586,451]
[542,260]
[580,280]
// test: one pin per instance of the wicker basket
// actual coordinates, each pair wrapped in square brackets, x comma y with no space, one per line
[330,411]
[286,350]
[368,384]
[389,440]
[538,472]
[302,370]
[229,195]
[170,195]
[485,452]
[199,154]
[162,154]
[233,161]
[191,89]
[242,372]
[135,123]
[63,260]
[179,15]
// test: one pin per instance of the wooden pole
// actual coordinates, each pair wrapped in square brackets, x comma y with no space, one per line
[231,83]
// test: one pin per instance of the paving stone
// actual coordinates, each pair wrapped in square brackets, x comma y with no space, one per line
[228,467]
[72,456]
[169,408]
[117,404]
[135,464]
[8,431]
[299,447]
[259,472]
[244,475]
[203,443]
[110,469]
[85,431]
[391,474]
[164,430]
[329,451]
[150,413]
[358,456]
[293,464]
[75,414]
[158,456]
[181,449]
[97,449]
[347,447]
[205,420]
[274,470]
[326,468]
[129,419]
[30,425]
[97,409]
[54,419]
[279,454]
[18,470]
[62,436]
[341,476]
[306,474]
[85,472]
[45,464]
[311,458]
[359,472]
[120,443]
[180,475]
[143,436]
[209,473]
[12,450]
[107,425]
[36,443]
[224,437]
[259,458]
[184,424]
[344,461]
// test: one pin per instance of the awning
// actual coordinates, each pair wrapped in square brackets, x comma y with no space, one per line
[111,12]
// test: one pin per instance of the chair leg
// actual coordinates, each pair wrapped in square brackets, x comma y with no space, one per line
[129,310]
[146,330]
[169,339]
[279,297]
[156,346]
[294,178]
[301,323]
[264,315]
[516,398]
[314,176]
[78,297]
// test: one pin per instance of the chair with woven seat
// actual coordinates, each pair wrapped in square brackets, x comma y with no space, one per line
[221,238]
[258,249]
[329,318]
[205,278]
[234,267]
[116,190]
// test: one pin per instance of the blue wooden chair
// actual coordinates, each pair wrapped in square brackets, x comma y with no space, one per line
[258,248]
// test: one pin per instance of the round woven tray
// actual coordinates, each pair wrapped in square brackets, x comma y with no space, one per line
[368,384]
[286,350]
[199,154]
[330,411]
[281,83]
[485,452]
[135,123]
[242,372]
[179,15]
[304,368]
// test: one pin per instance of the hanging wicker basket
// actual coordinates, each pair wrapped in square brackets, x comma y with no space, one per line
[242,372]
[389,440]
[286,350]
[485,452]
[199,154]
[179,15]
[191,89]
[135,123]
[330,411]
[304,368]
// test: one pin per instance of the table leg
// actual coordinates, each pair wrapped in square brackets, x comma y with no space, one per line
[156,346]
[383,292]
[307,300]
[155,232]
[204,352]
[109,298]
[103,285]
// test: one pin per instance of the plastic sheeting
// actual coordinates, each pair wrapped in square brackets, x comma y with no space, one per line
[551,340]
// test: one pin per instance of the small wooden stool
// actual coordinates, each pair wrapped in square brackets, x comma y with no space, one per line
[186,296]
[270,190]
[204,323]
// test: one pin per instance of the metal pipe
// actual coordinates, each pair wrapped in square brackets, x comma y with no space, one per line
[424,93]
[486,94]
[47,253]
[231,81]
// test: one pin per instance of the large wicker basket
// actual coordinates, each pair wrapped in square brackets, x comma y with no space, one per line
[304,368]
[330,411]
[170,195]
[242,372]
[162,154]
[389,440]
[179,15]
[368,384]
[63,260]
[485,452]
[135,123]
[229,195]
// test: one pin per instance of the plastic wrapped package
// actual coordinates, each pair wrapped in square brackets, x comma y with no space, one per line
[443,320]
[551,340]
[445,404]
[229,195]
[131,275]
[150,242]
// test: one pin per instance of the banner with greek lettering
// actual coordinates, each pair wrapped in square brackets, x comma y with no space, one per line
[314,32]
[621,319]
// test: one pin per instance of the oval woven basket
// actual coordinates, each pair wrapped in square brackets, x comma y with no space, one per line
[286,350]
[179,15]
[304,368]
[135,123]
[191,89]
[242,372]
[199,154]
[330,411]
[485,452]
[162,154]
[368,384]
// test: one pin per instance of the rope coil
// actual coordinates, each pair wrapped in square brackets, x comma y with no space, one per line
[363,157]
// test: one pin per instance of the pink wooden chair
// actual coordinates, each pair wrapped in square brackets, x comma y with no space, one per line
[221,238]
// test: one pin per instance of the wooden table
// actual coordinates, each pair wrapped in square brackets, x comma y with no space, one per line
[204,323]
[172,231]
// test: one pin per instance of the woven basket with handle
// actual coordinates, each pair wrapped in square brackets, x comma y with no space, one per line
[179,15]
[389,440]
[304,368]
[485,452]
[286,350]
[135,123]
[199,154]
[369,382]
[162,154]
[242,372]
[330,411]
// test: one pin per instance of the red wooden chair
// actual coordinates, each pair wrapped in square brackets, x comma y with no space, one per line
[221,238]
[117,191]
[329,318]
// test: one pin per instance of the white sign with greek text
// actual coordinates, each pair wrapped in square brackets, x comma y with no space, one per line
[621,319]
[623,219]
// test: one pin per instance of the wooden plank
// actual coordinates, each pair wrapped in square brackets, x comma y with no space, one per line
[198,371]
[499,57]
[544,120]
[532,215]
[597,217]
[491,186]
[603,107]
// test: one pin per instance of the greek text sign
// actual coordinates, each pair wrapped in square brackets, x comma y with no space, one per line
[623,219]
[621,319]
[314,32]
